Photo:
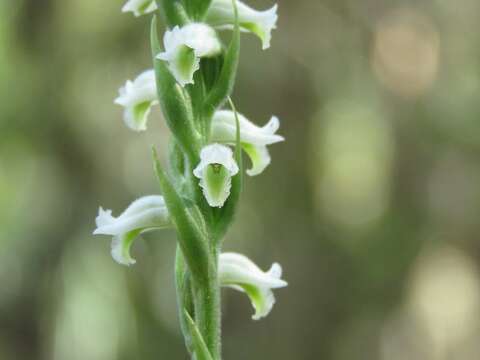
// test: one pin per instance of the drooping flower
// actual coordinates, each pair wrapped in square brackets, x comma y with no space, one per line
[261,23]
[138,97]
[215,171]
[145,213]
[185,46]
[254,139]
[239,272]
[140,7]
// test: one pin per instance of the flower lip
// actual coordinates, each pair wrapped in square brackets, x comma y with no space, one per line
[137,97]
[215,171]
[185,46]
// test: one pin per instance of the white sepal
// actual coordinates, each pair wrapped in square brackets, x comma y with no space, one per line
[137,97]
[145,213]
[140,7]
[221,16]
[254,139]
[215,171]
[240,273]
[185,46]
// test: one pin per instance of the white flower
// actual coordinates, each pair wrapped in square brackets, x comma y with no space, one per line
[215,172]
[185,46]
[254,139]
[146,213]
[140,7]
[239,272]
[261,23]
[137,97]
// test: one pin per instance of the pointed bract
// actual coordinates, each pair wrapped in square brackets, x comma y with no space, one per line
[185,46]
[254,139]
[198,343]
[240,273]
[221,16]
[215,171]
[139,7]
[137,97]
[145,213]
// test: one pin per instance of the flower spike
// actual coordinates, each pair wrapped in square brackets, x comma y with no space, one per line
[140,7]
[261,23]
[254,139]
[240,273]
[138,97]
[215,172]
[193,76]
[185,46]
[146,213]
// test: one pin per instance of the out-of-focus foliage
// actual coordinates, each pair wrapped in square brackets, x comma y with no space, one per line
[371,205]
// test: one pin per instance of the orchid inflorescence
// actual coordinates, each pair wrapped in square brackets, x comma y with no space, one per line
[192,79]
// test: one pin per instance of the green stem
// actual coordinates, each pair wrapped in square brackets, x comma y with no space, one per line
[208,311]
[173,12]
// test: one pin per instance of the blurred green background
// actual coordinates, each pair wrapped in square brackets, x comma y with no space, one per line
[371,205]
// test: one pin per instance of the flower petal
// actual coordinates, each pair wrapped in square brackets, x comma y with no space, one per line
[143,213]
[224,129]
[139,7]
[254,139]
[146,213]
[240,273]
[261,23]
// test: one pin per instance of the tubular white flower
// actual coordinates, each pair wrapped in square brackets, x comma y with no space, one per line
[185,46]
[140,7]
[261,23]
[215,172]
[254,139]
[145,213]
[239,272]
[137,97]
